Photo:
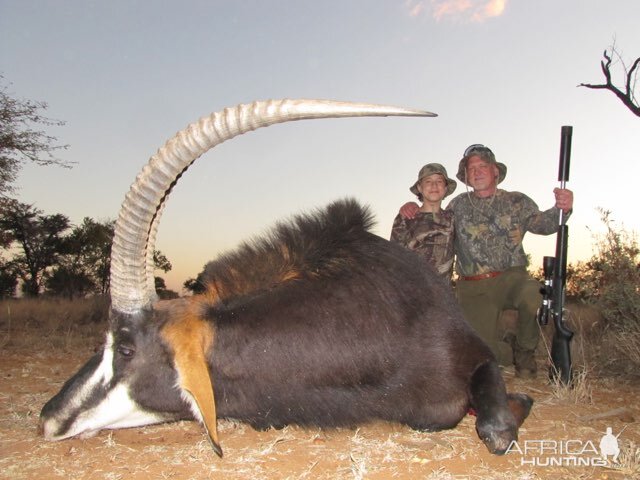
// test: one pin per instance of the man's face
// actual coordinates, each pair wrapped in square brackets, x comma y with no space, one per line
[482,175]
[433,187]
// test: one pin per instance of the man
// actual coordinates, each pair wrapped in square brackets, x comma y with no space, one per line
[430,232]
[490,224]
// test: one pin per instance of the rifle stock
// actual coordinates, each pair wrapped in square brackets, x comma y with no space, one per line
[562,335]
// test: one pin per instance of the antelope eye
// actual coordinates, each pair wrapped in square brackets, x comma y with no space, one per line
[126,351]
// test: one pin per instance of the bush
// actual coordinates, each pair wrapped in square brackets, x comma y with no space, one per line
[610,280]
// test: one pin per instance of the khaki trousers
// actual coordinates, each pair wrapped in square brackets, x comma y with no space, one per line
[483,302]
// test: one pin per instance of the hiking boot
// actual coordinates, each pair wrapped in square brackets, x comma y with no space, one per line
[525,362]
[509,337]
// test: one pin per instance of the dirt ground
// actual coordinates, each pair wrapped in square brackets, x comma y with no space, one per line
[559,440]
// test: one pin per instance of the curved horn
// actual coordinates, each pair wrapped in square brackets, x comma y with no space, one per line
[132,280]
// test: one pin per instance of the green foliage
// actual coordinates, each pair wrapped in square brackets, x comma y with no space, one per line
[38,238]
[69,283]
[194,285]
[71,265]
[84,261]
[8,280]
[161,262]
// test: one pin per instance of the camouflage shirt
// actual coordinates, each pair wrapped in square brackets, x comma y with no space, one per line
[489,231]
[429,235]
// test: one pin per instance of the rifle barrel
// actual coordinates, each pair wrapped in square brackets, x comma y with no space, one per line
[565,154]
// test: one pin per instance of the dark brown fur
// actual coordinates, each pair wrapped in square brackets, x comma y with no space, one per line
[308,247]
[327,324]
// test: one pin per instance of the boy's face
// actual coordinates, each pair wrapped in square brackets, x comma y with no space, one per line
[433,188]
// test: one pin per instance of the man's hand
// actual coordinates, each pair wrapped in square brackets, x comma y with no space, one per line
[564,199]
[409,210]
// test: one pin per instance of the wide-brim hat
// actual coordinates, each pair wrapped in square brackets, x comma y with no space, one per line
[431,169]
[484,153]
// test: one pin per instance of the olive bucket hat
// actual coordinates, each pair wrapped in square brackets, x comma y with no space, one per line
[486,154]
[430,169]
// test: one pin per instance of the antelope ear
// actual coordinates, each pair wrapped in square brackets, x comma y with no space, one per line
[520,405]
[191,338]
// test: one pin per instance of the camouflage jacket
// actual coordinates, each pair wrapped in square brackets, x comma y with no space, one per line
[489,231]
[429,235]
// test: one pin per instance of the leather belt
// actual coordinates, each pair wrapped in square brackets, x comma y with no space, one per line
[482,276]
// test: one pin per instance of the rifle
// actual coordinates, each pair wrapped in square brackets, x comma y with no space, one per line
[555,276]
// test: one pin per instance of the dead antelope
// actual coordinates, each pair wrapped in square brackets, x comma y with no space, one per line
[321,323]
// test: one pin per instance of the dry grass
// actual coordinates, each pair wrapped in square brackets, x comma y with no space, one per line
[578,392]
[597,350]
[627,340]
[32,371]
[629,459]
[56,322]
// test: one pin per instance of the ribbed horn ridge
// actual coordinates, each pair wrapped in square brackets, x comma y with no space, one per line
[132,280]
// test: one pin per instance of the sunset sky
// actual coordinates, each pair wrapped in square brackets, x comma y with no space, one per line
[126,75]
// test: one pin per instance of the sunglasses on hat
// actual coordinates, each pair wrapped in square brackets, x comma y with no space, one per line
[476,147]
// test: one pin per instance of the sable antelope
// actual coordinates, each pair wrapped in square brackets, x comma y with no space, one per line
[322,323]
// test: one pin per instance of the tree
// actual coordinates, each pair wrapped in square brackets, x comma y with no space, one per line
[8,274]
[20,139]
[8,280]
[69,265]
[163,292]
[84,262]
[162,263]
[627,94]
[38,238]
[67,282]
[195,285]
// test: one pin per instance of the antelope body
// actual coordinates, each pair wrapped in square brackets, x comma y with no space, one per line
[321,323]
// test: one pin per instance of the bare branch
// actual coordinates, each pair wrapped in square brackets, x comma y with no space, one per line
[21,139]
[627,97]
[631,79]
[606,66]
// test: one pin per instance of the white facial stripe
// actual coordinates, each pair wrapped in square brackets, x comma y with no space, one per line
[102,374]
[117,410]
